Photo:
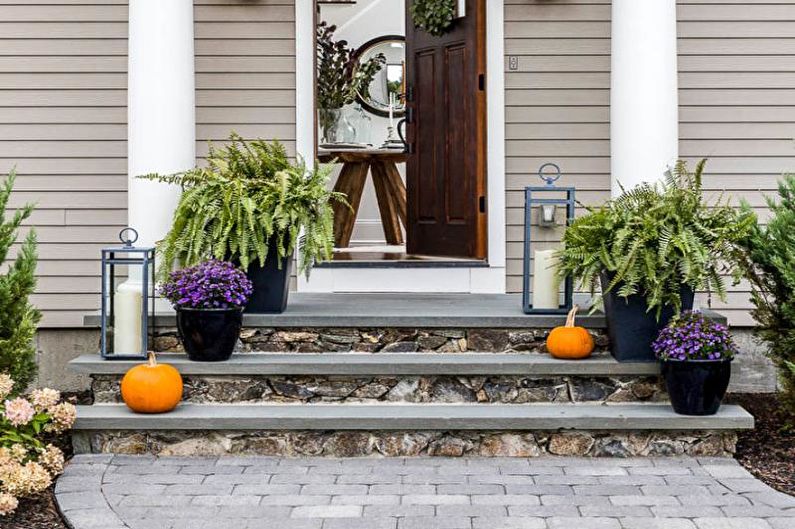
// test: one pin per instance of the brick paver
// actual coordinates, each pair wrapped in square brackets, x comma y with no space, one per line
[129,492]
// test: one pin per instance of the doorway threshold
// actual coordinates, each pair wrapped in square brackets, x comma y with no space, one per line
[375,259]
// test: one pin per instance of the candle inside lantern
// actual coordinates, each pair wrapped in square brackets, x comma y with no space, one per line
[391,109]
[127,305]
[545,282]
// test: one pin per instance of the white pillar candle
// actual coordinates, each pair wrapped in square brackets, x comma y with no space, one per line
[545,282]
[644,105]
[127,318]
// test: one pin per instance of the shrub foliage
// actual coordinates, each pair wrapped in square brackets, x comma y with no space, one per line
[18,318]
[769,258]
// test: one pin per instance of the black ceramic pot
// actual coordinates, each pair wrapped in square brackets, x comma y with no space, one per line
[209,335]
[630,325]
[696,387]
[271,284]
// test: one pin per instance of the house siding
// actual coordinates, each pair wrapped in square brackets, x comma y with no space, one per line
[737,103]
[63,119]
[63,123]
[557,106]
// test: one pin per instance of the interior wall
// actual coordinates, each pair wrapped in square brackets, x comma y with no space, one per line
[358,23]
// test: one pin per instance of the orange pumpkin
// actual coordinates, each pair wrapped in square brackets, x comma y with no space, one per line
[570,342]
[152,387]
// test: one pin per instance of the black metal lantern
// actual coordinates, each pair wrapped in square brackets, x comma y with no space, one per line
[128,299]
[542,215]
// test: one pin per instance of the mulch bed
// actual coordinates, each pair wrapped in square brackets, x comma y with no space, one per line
[768,451]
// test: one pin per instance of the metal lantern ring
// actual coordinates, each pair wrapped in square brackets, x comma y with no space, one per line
[546,206]
[126,327]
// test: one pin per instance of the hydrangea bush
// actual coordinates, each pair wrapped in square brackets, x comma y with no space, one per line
[691,336]
[210,285]
[27,464]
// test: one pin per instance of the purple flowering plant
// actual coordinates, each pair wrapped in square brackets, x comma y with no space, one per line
[691,336]
[212,284]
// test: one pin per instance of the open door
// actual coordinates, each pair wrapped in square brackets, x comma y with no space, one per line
[446,132]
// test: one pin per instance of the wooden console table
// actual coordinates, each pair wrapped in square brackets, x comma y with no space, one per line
[389,190]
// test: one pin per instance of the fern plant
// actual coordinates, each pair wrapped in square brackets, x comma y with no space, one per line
[655,238]
[249,197]
[769,264]
[18,318]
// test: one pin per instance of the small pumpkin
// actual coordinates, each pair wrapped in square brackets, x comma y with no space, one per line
[570,342]
[152,387]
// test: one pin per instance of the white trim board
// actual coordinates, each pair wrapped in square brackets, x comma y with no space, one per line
[475,280]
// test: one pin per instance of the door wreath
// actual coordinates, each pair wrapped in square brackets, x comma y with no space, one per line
[434,16]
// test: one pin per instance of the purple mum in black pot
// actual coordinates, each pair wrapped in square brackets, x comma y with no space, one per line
[209,300]
[696,355]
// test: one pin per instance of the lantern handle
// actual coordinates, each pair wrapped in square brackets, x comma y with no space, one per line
[549,179]
[124,236]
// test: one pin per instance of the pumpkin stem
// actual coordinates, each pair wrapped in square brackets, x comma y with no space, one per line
[152,358]
[571,316]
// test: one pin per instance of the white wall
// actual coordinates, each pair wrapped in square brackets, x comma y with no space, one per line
[359,23]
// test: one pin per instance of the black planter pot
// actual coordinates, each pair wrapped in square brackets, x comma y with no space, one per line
[631,327]
[209,335]
[696,387]
[271,284]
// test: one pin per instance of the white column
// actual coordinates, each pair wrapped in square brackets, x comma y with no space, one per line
[644,104]
[161,134]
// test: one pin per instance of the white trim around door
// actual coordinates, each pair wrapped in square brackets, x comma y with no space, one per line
[489,279]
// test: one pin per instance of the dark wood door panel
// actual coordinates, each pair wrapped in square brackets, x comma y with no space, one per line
[446,171]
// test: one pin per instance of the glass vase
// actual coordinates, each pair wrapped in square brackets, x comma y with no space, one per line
[329,120]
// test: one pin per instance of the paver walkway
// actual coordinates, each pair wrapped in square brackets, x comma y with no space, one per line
[116,492]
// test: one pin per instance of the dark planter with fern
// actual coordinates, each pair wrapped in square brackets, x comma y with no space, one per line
[252,206]
[271,283]
[631,326]
[649,250]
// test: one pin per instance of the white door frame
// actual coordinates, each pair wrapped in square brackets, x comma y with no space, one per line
[489,279]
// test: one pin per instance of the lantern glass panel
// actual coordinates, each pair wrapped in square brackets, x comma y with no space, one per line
[127,301]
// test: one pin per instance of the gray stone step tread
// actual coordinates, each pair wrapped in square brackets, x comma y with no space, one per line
[419,310]
[410,417]
[355,364]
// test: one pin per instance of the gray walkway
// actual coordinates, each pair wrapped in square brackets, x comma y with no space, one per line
[117,492]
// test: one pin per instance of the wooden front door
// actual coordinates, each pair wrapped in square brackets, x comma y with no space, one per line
[446,132]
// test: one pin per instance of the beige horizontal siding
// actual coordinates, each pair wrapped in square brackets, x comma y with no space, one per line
[737,103]
[557,107]
[63,118]
[63,123]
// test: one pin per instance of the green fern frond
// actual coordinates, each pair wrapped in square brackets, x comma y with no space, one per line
[654,238]
[249,197]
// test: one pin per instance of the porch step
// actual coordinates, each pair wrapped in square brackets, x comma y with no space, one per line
[351,430]
[431,417]
[493,378]
[381,364]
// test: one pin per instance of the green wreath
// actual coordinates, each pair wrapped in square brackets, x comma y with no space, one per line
[433,16]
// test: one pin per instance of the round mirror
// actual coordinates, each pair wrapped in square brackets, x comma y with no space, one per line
[389,83]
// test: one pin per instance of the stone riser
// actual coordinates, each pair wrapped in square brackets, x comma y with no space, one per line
[373,340]
[409,443]
[252,389]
